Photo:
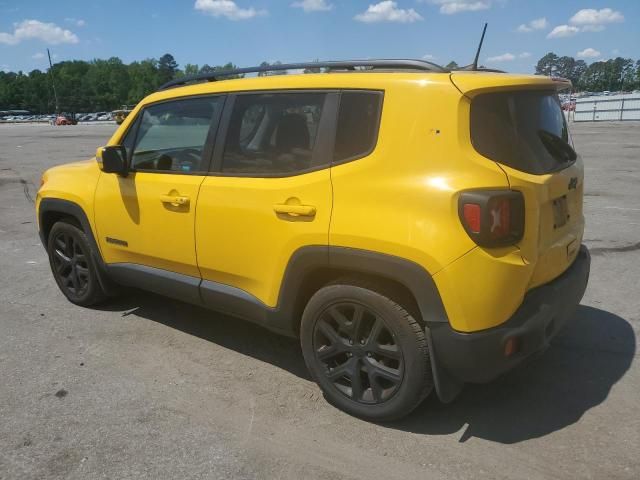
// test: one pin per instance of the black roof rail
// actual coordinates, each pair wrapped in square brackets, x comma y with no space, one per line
[393,64]
[471,68]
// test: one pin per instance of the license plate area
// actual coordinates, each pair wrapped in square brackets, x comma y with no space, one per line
[560,212]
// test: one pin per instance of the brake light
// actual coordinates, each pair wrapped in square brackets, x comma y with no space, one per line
[472,216]
[492,218]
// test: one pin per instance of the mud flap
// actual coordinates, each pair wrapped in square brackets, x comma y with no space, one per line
[447,387]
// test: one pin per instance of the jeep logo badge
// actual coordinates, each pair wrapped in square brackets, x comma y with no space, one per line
[573,183]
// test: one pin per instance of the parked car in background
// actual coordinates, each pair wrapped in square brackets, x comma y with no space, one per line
[120,115]
[65,119]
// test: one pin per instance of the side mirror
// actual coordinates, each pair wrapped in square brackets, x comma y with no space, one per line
[113,159]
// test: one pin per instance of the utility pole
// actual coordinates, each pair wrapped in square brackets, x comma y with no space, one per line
[53,83]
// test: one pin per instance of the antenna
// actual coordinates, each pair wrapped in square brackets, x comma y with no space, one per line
[474,65]
[53,84]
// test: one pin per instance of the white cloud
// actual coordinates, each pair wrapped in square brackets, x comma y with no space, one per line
[536,24]
[562,31]
[49,33]
[508,57]
[37,56]
[451,7]
[505,57]
[590,18]
[588,53]
[587,20]
[388,11]
[226,8]
[313,5]
[428,56]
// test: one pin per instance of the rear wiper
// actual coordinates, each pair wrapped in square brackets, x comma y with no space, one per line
[557,145]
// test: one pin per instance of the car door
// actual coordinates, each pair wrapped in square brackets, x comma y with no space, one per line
[269,193]
[145,221]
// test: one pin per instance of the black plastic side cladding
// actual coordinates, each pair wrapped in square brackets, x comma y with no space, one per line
[408,273]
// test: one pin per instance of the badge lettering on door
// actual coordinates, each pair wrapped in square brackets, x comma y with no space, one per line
[116,241]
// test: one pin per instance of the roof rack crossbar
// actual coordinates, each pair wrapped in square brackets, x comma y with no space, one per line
[331,66]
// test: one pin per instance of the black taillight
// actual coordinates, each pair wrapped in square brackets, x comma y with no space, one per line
[492,218]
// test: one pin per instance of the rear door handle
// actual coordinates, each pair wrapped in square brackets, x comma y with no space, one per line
[175,200]
[295,210]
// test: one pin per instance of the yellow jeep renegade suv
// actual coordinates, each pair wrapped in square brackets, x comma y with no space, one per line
[417,228]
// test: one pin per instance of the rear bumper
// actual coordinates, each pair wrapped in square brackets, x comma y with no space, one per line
[479,357]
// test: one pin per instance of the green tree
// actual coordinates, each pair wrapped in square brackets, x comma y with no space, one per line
[547,65]
[452,65]
[264,74]
[144,79]
[167,68]
[578,70]
[191,69]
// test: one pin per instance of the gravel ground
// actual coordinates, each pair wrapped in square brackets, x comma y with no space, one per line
[146,387]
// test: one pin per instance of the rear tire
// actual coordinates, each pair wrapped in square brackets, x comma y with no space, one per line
[366,352]
[73,265]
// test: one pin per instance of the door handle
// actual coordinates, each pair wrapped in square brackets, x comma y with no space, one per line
[175,200]
[295,210]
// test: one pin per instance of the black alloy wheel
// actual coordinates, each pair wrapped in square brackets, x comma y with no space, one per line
[368,355]
[71,264]
[360,354]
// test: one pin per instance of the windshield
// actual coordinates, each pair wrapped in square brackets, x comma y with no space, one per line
[525,130]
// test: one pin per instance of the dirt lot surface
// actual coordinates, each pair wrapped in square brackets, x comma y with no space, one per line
[146,387]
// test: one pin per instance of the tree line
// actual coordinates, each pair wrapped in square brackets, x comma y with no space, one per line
[615,74]
[103,85]
[97,85]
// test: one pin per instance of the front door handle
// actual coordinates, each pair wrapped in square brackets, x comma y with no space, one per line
[295,210]
[175,200]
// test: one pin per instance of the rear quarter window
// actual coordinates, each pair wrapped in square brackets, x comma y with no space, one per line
[358,123]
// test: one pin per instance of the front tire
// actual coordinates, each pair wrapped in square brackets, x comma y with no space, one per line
[73,265]
[366,352]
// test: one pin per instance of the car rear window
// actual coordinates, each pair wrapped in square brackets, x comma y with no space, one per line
[525,130]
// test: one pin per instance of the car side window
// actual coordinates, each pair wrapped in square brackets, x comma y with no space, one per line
[130,137]
[272,133]
[172,135]
[358,122]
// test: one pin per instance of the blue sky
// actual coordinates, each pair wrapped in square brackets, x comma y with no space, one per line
[247,32]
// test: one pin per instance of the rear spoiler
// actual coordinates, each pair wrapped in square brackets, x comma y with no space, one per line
[563,83]
[471,83]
